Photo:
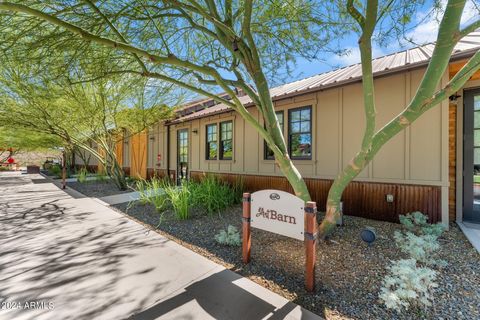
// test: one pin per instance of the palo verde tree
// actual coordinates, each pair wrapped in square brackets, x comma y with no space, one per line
[17,140]
[88,116]
[207,47]
[426,96]
[216,46]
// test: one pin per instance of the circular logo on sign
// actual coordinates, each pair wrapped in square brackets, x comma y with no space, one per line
[274,196]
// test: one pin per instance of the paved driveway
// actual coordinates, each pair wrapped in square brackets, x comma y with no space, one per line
[74,258]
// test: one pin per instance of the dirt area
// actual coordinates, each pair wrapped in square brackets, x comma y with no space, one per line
[348,274]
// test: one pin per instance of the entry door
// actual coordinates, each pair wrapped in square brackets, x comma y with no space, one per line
[182,155]
[471,156]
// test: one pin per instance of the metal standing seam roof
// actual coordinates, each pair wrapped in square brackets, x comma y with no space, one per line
[394,62]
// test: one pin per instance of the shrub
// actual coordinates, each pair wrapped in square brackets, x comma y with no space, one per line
[153,192]
[101,177]
[82,175]
[421,248]
[179,198]
[411,281]
[417,223]
[212,194]
[230,237]
[55,170]
[408,285]
[420,240]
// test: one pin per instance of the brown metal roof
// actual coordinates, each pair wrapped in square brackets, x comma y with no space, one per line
[395,62]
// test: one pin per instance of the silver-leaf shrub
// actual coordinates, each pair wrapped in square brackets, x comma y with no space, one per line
[410,282]
[230,237]
[408,285]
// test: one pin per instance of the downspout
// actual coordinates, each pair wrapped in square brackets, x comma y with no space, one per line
[168,150]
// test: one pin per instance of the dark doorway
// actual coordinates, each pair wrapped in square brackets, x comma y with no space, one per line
[182,155]
[471,156]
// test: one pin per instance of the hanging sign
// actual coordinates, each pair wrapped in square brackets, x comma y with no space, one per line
[278,212]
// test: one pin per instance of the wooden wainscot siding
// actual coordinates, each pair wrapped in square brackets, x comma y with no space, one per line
[156,173]
[361,199]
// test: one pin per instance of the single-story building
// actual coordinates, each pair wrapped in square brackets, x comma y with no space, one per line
[433,166]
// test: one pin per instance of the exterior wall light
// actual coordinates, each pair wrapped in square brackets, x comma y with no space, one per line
[195,131]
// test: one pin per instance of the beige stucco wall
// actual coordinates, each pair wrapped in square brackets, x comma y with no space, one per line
[418,155]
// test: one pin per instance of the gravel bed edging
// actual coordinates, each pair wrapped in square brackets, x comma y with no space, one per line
[348,273]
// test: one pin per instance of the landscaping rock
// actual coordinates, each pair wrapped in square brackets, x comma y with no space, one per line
[349,273]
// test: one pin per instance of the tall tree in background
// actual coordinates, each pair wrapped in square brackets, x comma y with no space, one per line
[18,140]
[90,116]
[426,97]
[206,47]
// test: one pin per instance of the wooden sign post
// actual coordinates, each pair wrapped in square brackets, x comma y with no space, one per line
[310,244]
[247,236]
[282,217]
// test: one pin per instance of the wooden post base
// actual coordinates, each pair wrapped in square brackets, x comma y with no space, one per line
[310,244]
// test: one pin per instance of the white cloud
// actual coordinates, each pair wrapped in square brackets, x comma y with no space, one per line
[427,28]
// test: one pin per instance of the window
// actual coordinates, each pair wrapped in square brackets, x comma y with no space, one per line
[268,152]
[226,140]
[211,151]
[300,133]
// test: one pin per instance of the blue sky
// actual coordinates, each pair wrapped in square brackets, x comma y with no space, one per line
[423,29]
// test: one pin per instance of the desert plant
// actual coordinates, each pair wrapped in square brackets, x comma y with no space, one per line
[212,194]
[101,177]
[421,248]
[419,239]
[179,198]
[411,281]
[153,192]
[55,170]
[229,237]
[82,175]
[408,285]
[417,223]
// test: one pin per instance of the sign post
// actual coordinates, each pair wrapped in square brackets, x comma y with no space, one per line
[310,244]
[285,214]
[247,236]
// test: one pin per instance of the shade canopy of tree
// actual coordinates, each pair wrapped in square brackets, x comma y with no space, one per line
[209,47]
[15,140]
[90,116]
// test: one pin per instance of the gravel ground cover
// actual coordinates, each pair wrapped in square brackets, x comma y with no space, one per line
[348,274]
[97,189]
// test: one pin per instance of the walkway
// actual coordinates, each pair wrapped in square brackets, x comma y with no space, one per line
[73,258]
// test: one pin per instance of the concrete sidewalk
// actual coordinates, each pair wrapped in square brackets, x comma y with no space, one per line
[77,259]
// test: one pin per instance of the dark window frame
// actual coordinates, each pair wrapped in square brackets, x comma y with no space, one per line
[265,144]
[290,111]
[207,141]
[221,156]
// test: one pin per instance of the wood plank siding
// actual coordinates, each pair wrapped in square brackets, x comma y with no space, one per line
[452,142]
[361,199]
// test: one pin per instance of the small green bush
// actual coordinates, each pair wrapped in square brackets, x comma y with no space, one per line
[82,175]
[230,237]
[179,198]
[153,192]
[213,195]
[55,170]
[101,177]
